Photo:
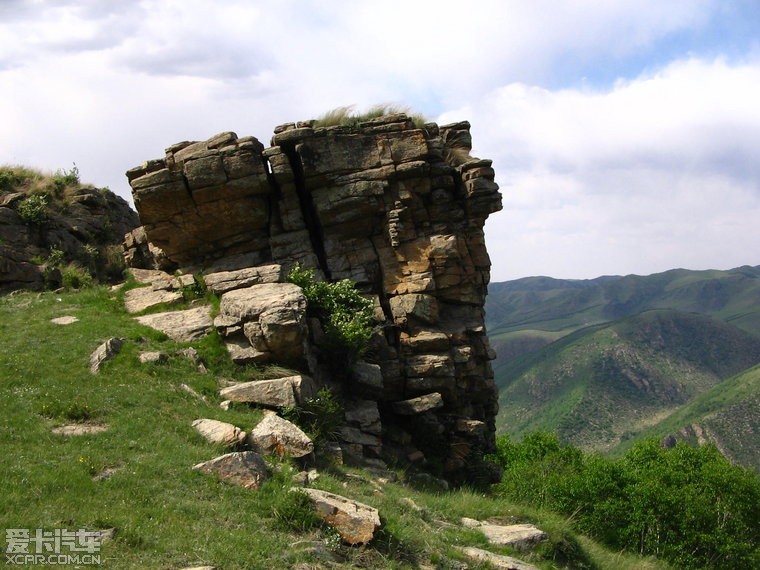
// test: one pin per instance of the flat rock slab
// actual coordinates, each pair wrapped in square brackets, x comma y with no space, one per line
[66,320]
[149,275]
[153,357]
[142,298]
[245,468]
[419,405]
[104,353]
[224,281]
[274,434]
[218,432]
[355,522]
[519,536]
[496,560]
[180,326]
[287,392]
[79,429]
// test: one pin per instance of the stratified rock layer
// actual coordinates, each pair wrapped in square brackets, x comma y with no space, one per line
[397,209]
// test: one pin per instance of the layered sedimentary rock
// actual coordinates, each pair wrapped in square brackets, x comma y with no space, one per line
[395,208]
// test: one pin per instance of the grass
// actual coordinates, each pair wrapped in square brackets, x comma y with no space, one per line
[166,515]
[348,117]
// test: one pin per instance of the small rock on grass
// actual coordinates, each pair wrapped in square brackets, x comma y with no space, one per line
[245,468]
[79,429]
[65,320]
[104,353]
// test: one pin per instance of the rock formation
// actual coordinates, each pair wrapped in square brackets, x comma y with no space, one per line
[397,209]
[93,220]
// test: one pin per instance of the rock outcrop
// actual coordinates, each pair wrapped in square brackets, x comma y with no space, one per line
[93,221]
[397,209]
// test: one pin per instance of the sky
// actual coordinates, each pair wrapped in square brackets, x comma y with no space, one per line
[625,134]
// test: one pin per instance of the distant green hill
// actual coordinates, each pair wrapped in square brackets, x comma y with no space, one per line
[727,415]
[606,383]
[525,314]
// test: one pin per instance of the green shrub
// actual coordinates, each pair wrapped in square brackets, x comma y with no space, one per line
[55,258]
[345,315]
[687,505]
[33,209]
[74,276]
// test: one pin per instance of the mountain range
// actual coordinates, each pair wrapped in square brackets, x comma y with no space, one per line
[606,361]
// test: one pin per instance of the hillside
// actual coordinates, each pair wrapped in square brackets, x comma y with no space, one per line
[131,477]
[525,314]
[726,415]
[606,383]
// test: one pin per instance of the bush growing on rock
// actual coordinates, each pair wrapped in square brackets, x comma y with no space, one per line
[33,210]
[345,315]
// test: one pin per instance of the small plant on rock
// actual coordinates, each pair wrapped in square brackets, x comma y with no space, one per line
[345,314]
[33,210]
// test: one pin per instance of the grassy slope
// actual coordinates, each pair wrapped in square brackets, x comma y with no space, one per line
[167,515]
[609,382]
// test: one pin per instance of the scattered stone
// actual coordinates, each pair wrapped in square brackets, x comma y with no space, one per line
[518,536]
[495,560]
[142,298]
[245,468]
[418,405]
[275,435]
[220,433]
[285,392]
[355,522]
[192,355]
[225,405]
[66,320]
[79,429]
[104,353]
[152,357]
[193,393]
[181,326]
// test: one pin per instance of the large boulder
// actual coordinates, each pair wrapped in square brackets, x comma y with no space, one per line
[355,522]
[275,435]
[182,326]
[270,316]
[287,392]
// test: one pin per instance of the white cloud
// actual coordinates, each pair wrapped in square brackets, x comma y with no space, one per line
[657,172]
[605,172]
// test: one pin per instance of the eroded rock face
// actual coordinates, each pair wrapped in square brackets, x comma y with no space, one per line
[397,209]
